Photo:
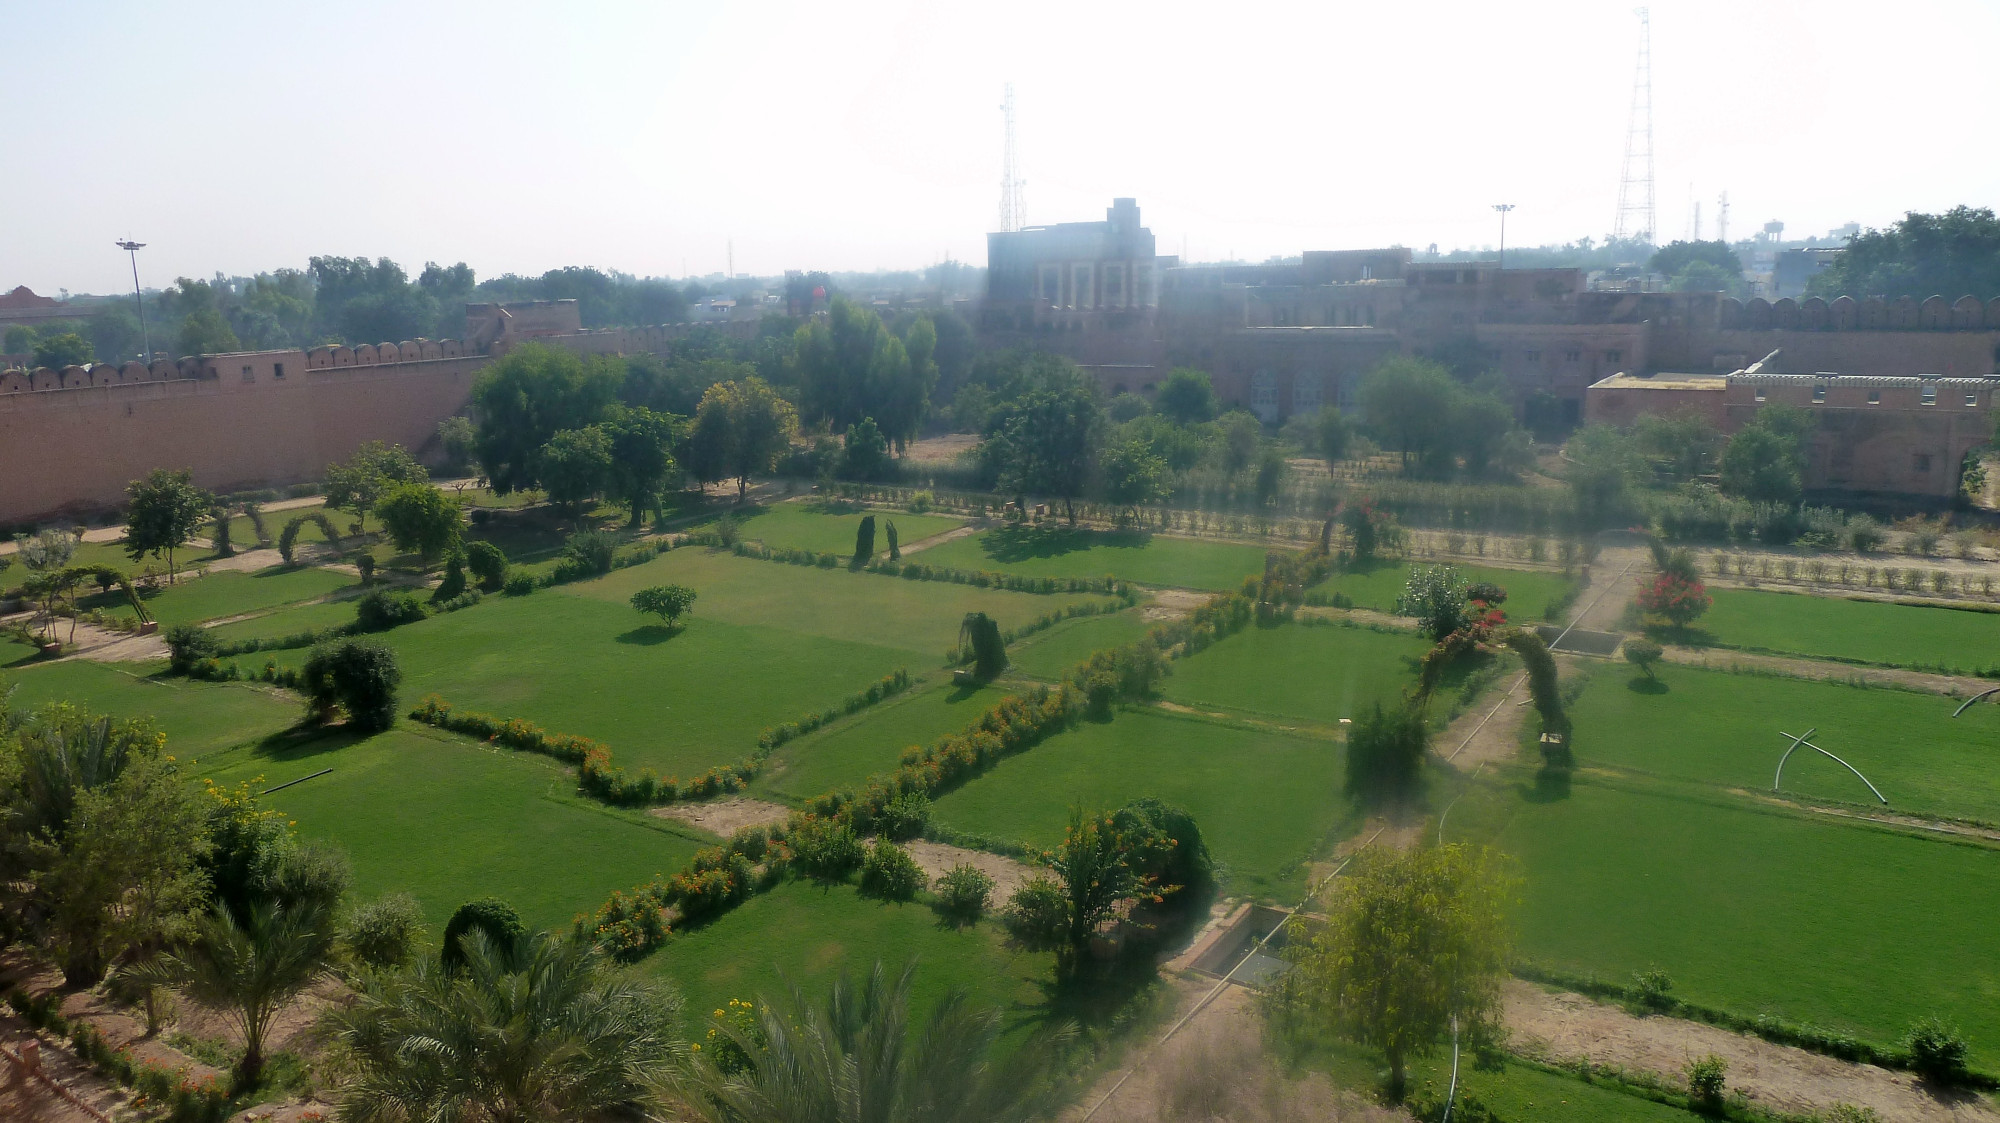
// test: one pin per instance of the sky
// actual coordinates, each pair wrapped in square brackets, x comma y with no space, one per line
[650,137]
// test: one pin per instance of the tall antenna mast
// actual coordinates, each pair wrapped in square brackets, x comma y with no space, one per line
[1013,208]
[1722,218]
[1635,186]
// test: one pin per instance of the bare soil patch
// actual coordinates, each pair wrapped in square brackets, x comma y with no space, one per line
[724,817]
[940,539]
[941,449]
[1722,659]
[1172,604]
[936,858]
[101,645]
[1563,1027]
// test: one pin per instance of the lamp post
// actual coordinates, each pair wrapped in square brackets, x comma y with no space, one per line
[132,248]
[1503,208]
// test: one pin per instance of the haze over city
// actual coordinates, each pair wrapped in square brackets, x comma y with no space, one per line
[238,138]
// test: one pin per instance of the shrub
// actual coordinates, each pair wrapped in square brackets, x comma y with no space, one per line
[963,892]
[520,584]
[668,602]
[864,541]
[1674,599]
[1937,1052]
[586,554]
[1852,1113]
[1493,595]
[1038,913]
[1655,989]
[188,645]
[1864,534]
[359,676]
[1436,595]
[1385,750]
[491,915]
[1643,653]
[384,933]
[488,565]
[890,873]
[906,816]
[383,609]
[364,564]
[979,636]
[1705,1081]
[453,582]
[826,849]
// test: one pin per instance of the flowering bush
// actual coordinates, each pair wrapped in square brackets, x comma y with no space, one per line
[1675,599]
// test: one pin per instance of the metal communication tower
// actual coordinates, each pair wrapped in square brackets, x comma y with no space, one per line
[1722,218]
[1013,208]
[1635,186]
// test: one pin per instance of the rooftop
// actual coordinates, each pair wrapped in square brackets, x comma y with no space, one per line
[1623,381]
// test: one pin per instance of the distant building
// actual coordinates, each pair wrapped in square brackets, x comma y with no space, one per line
[1072,272]
[23,306]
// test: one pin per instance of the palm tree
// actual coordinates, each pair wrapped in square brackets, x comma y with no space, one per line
[855,1060]
[251,968]
[542,1031]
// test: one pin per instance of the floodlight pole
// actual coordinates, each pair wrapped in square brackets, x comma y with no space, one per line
[1503,208]
[132,249]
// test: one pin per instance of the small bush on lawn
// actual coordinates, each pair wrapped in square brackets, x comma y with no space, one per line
[520,584]
[359,676]
[1937,1052]
[453,582]
[826,849]
[382,610]
[963,892]
[1655,989]
[1038,914]
[490,915]
[668,602]
[890,873]
[1643,653]
[189,644]
[488,565]
[1705,1077]
[906,816]
[385,933]
[586,554]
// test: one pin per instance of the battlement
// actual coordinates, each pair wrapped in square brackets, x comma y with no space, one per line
[1872,313]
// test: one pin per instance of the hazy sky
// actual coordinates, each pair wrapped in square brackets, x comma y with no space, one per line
[646,136]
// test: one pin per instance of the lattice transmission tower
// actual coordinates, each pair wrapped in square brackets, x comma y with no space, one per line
[1635,186]
[1013,206]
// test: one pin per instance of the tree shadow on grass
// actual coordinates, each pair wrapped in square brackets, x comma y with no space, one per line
[304,742]
[1021,543]
[1552,785]
[648,635]
[1646,684]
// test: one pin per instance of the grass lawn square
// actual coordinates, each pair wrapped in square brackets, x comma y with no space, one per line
[1264,801]
[1753,909]
[803,935]
[290,621]
[1717,728]
[1378,587]
[1314,673]
[920,617]
[1148,559]
[232,593]
[199,718]
[853,749]
[1902,635]
[799,526]
[1046,655]
[448,820]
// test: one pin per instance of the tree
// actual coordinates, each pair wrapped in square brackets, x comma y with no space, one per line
[163,511]
[488,564]
[642,455]
[1674,258]
[1603,465]
[668,602]
[864,541]
[1092,871]
[864,451]
[544,1031]
[1766,459]
[1436,595]
[575,467]
[1643,653]
[359,676]
[356,483]
[1674,599]
[420,519]
[1480,426]
[252,968]
[1272,469]
[740,430]
[66,349]
[889,532]
[1950,255]
[857,1059]
[979,641]
[205,332]
[1187,397]
[1047,440]
[1385,750]
[1686,441]
[1132,474]
[1417,943]
[1241,434]
[1408,404]
[460,442]
[1700,276]
[526,398]
[1332,432]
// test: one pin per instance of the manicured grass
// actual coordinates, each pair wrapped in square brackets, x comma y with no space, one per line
[1755,909]
[199,718]
[290,621]
[1046,655]
[852,750]
[1264,801]
[13,653]
[447,820]
[228,594]
[805,936]
[1314,673]
[1528,591]
[1149,559]
[243,532]
[1514,1092]
[921,617]
[1717,728]
[1870,631]
[795,525]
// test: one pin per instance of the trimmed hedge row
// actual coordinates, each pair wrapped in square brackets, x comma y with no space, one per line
[1049,620]
[185,1099]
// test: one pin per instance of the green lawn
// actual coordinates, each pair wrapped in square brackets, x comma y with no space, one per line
[1314,673]
[1870,631]
[13,652]
[290,621]
[229,594]
[803,935]
[1264,801]
[1723,729]
[199,718]
[870,742]
[1514,1092]
[1755,909]
[1046,655]
[448,820]
[796,525]
[1149,559]
[920,617]
[1378,587]
[243,532]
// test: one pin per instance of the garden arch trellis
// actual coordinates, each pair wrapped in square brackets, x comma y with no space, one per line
[1799,740]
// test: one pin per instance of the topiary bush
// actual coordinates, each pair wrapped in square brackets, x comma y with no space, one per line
[384,933]
[864,541]
[384,609]
[488,565]
[890,873]
[1385,751]
[490,915]
[359,676]
[453,582]
[963,892]
[364,563]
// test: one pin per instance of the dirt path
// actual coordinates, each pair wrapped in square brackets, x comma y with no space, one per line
[1614,581]
[1361,616]
[101,645]
[936,859]
[1797,667]
[1172,604]
[1564,1027]
[938,539]
[724,817]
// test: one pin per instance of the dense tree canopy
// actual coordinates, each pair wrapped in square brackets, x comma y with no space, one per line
[1046,442]
[740,430]
[1438,423]
[1949,255]
[850,366]
[355,484]
[528,397]
[1766,459]
[163,510]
